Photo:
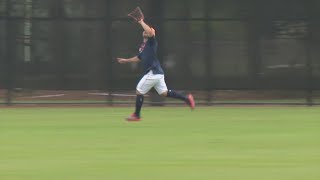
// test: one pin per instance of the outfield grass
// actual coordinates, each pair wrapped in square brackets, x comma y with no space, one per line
[222,143]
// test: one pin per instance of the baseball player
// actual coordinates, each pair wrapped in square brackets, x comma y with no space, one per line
[153,73]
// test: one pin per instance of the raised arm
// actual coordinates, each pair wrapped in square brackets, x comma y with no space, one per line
[128,60]
[150,31]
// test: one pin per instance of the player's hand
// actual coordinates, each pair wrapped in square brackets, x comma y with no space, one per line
[140,21]
[122,60]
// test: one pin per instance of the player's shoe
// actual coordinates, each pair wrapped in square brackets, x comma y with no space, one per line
[133,117]
[191,101]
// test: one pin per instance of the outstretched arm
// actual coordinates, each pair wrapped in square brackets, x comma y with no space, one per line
[128,60]
[150,31]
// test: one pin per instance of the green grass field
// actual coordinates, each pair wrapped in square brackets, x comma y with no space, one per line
[222,143]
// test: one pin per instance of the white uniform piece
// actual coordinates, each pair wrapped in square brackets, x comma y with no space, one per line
[151,80]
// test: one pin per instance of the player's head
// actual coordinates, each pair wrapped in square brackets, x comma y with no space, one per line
[145,35]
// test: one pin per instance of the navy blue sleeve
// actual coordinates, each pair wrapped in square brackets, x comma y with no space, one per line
[139,55]
[151,40]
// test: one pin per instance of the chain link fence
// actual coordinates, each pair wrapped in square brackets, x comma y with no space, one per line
[223,51]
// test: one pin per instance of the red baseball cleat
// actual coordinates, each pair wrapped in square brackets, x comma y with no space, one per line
[133,117]
[191,101]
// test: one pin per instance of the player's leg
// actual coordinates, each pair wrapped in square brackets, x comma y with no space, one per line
[143,87]
[162,89]
[139,103]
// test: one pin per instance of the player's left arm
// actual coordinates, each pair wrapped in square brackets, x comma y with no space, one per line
[149,30]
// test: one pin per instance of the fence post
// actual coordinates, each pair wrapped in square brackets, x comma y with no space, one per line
[60,45]
[254,48]
[208,56]
[109,63]
[309,46]
[8,57]
[27,30]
